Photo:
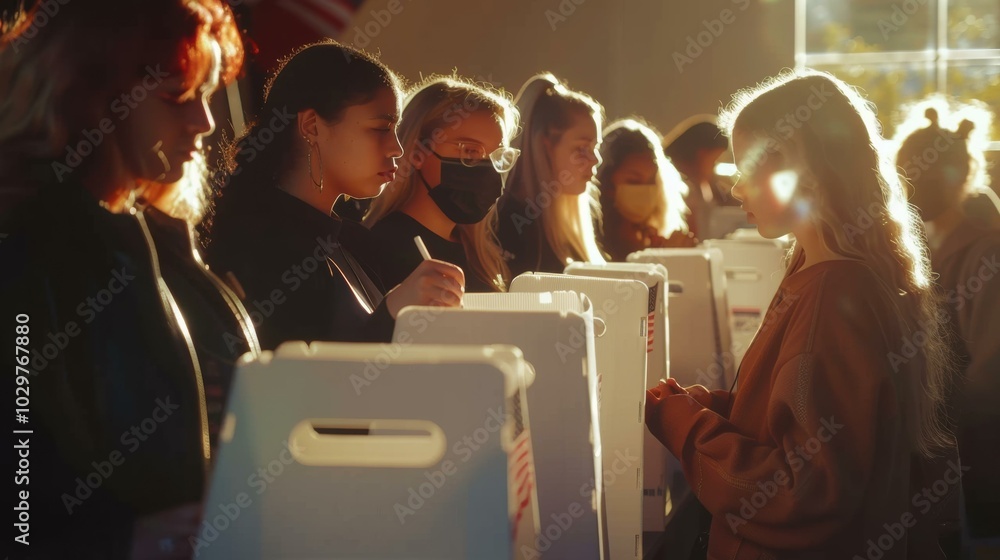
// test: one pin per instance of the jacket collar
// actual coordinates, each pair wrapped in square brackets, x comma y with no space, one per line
[295,219]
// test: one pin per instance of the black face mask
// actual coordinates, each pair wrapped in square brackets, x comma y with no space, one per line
[465,194]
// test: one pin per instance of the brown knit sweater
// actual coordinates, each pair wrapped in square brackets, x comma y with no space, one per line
[808,459]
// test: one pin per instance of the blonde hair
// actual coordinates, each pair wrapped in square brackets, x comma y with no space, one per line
[548,108]
[626,137]
[428,108]
[829,136]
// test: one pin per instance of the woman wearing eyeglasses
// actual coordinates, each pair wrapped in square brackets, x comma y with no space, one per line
[456,137]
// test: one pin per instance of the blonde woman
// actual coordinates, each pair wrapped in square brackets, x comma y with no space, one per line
[456,140]
[835,432]
[642,194]
[546,215]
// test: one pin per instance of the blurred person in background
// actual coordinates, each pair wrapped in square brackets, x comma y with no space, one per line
[642,194]
[941,147]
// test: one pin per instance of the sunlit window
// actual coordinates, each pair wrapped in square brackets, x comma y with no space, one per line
[899,51]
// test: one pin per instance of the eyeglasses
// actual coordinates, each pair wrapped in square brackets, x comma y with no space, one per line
[472,154]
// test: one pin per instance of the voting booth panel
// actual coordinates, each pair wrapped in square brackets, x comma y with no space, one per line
[754,270]
[655,458]
[724,221]
[555,333]
[700,338]
[622,305]
[654,277]
[362,451]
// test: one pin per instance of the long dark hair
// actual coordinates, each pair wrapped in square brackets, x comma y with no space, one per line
[327,77]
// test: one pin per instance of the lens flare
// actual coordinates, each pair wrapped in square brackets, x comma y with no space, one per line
[783,184]
[726,169]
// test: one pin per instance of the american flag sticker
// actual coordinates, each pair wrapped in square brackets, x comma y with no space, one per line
[521,480]
[651,317]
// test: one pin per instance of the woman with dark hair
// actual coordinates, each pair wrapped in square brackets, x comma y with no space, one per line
[327,128]
[941,154]
[131,339]
[642,195]
[694,146]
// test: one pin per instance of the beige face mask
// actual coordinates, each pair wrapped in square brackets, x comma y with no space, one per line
[636,203]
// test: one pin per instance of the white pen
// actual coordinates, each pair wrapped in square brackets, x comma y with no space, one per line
[422,248]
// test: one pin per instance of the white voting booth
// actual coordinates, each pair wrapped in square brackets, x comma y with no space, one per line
[754,270]
[555,331]
[655,456]
[348,451]
[622,306]
[700,338]
[725,220]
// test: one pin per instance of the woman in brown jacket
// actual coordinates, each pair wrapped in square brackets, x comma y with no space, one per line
[822,451]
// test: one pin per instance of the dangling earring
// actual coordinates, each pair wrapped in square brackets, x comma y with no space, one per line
[319,154]
[158,152]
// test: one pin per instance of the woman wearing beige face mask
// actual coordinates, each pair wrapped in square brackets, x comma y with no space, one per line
[642,194]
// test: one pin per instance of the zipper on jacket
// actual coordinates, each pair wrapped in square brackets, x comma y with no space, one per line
[170,308]
[235,305]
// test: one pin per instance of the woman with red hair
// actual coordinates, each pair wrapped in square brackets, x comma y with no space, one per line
[129,340]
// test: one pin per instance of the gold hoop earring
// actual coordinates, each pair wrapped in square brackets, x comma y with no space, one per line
[319,154]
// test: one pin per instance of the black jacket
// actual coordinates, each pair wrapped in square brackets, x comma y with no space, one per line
[300,282]
[117,387]
[395,255]
[522,236]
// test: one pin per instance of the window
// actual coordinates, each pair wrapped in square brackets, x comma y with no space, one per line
[898,51]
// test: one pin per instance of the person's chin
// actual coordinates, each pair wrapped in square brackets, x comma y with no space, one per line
[369,190]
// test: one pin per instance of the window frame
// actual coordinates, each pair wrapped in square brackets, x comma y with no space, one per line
[940,58]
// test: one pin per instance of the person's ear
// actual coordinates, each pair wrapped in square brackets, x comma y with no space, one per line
[420,155]
[308,125]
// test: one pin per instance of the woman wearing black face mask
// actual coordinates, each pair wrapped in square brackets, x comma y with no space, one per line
[455,137]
